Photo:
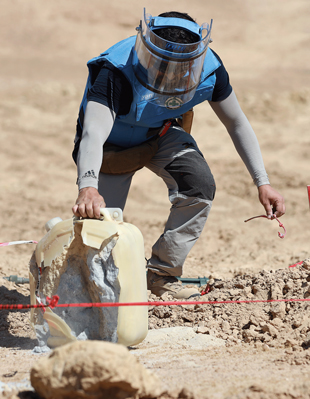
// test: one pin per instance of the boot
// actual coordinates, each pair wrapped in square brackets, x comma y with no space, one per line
[159,285]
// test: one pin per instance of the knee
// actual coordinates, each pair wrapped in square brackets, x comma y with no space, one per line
[192,175]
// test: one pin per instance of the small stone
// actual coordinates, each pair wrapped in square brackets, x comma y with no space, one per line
[249,335]
[278,310]
[226,327]
[306,264]
[277,323]
[202,330]
[166,296]
[306,342]
[290,342]
[234,293]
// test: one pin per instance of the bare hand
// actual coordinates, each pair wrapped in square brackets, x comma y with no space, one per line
[272,201]
[88,203]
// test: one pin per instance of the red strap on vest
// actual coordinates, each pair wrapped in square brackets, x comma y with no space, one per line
[165,129]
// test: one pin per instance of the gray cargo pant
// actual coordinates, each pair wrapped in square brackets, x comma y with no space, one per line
[191,186]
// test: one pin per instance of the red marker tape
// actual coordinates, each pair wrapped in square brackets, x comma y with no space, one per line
[297,264]
[53,303]
[281,235]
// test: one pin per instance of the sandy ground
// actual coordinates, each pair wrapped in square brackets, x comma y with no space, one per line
[265,47]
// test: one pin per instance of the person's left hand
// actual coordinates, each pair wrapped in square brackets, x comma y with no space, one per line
[272,201]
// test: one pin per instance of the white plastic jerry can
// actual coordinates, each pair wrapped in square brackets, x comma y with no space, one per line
[90,261]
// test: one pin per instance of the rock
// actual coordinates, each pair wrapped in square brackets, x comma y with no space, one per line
[247,291]
[277,323]
[162,312]
[97,370]
[276,291]
[265,347]
[277,309]
[93,369]
[226,327]
[254,321]
[290,342]
[306,343]
[234,293]
[188,317]
[249,335]
[184,393]
[270,329]
[202,330]
[306,264]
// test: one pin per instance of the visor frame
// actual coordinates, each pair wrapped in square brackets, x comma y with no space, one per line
[147,30]
[169,57]
[167,51]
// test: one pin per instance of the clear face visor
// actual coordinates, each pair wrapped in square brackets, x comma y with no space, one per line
[170,69]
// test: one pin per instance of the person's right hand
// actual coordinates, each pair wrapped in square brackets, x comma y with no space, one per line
[88,203]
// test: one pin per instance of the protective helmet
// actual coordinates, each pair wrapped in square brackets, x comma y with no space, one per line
[170,70]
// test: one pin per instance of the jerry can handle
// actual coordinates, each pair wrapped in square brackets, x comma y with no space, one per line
[112,214]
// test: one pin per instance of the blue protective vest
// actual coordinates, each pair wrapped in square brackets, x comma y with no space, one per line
[131,129]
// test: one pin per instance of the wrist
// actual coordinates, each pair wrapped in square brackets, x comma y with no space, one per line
[87,183]
[261,181]
[263,186]
[89,188]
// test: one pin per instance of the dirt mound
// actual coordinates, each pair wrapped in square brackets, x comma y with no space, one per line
[276,324]
[95,369]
